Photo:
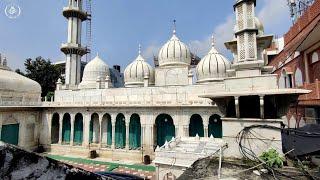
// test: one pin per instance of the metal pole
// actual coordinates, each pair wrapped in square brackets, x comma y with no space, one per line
[220,159]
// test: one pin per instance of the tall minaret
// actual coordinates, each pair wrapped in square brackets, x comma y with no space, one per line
[73,49]
[246,34]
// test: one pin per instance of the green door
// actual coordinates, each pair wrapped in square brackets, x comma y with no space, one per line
[215,126]
[10,134]
[196,126]
[165,129]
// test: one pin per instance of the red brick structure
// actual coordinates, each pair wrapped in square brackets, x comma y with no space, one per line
[298,65]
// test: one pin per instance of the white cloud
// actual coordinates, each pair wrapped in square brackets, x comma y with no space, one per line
[151,51]
[274,13]
[222,33]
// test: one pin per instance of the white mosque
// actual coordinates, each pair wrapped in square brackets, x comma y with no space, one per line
[156,104]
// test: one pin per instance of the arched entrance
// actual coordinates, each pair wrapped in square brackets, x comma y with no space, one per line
[94,129]
[215,126]
[196,126]
[120,139]
[66,128]
[78,130]
[106,130]
[55,128]
[165,129]
[135,132]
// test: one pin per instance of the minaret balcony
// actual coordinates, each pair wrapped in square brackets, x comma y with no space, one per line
[71,11]
[71,48]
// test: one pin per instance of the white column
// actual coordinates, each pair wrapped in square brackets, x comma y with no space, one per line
[186,130]
[127,120]
[206,125]
[60,129]
[100,130]
[127,135]
[86,124]
[72,128]
[49,120]
[236,101]
[262,107]
[113,121]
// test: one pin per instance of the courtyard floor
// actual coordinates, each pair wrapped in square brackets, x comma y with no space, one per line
[143,171]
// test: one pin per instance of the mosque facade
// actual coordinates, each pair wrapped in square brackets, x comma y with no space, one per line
[156,104]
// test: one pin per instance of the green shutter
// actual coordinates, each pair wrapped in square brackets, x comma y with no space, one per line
[78,131]
[135,132]
[215,126]
[120,141]
[109,133]
[165,129]
[66,129]
[196,126]
[10,134]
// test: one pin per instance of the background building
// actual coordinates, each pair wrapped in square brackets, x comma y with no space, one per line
[298,65]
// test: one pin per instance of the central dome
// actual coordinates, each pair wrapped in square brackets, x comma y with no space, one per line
[96,68]
[174,52]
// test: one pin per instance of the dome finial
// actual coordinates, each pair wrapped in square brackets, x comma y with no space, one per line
[212,40]
[97,54]
[174,27]
[139,49]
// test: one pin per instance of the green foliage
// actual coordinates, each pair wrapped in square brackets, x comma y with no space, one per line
[49,95]
[272,158]
[44,72]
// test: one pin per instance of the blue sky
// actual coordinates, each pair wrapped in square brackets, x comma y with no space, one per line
[120,25]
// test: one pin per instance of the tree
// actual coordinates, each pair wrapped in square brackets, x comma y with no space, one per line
[43,72]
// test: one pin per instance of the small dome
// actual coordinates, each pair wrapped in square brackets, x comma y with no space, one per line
[174,52]
[212,67]
[259,26]
[13,82]
[136,71]
[94,69]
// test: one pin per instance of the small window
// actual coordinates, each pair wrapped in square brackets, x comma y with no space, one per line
[298,78]
[315,57]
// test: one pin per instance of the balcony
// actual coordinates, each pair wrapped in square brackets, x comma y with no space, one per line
[313,98]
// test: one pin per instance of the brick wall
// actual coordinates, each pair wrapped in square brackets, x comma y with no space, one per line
[309,15]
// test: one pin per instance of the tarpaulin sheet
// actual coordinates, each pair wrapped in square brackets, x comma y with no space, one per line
[304,141]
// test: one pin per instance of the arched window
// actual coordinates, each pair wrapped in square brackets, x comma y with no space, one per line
[55,128]
[298,78]
[120,131]
[165,129]
[78,130]
[106,130]
[215,126]
[135,132]
[66,128]
[94,128]
[196,126]
[314,57]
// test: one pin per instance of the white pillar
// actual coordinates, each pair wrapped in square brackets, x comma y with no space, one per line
[236,101]
[206,125]
[72,129]
[86,132]
[60,129]
[113,121]
[127,135]
[100,130]
[262,107]
[49,120]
